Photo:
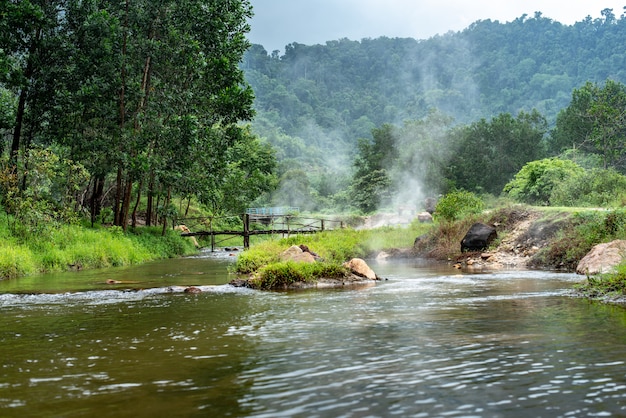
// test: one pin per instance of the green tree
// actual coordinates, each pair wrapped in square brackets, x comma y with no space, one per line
[595,187]
[371,181]
[489,153]
[30,45]
[594,122]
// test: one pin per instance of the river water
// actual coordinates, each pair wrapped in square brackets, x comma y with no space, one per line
[429,341]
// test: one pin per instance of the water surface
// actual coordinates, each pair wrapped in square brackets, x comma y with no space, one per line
[429,341]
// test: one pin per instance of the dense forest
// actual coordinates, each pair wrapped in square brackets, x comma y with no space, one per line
[108,110]
[111,108]
[360,123]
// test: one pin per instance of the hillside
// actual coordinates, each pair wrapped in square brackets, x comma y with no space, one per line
[316,101]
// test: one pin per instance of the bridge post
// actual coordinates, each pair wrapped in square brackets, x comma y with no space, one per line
[246,231]
[212,235]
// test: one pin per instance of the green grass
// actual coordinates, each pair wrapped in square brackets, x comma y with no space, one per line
[611,286]
[282,274]
[58,247]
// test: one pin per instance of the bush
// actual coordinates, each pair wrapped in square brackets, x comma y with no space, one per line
[596,187]
[535,182]
[457,205]
[605,285]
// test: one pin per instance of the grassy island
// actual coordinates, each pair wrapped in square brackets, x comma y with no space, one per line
[263,264]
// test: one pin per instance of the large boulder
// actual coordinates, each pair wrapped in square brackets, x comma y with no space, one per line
[478,237]
[360,268]
[603,258]
[295,253]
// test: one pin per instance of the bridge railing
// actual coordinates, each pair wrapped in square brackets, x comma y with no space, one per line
[256,224]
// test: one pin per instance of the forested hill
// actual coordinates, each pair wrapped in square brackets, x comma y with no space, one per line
[315,102]
[347,87]
[486,69]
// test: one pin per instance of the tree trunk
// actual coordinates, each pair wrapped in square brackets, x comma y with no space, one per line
[126,203]
[134,215]
[188,204]
[118,199]
[96,198]
[21,106]
[165,205]
[17,132]
[149,208]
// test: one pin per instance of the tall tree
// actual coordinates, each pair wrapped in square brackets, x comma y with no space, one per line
[594,122]
[489,153]
[29,34]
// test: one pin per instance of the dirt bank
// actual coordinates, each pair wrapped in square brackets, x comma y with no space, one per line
[523,233]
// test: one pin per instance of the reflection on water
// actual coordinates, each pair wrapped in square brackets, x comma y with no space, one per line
[429,341]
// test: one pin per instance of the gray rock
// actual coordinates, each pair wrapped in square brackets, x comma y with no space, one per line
[603,258]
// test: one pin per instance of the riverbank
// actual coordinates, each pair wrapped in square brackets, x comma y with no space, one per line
[57,248]
[527,238]
[554,239]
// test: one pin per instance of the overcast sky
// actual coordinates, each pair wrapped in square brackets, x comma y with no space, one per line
[280,22]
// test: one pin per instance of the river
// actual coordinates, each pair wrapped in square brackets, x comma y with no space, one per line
[429,341]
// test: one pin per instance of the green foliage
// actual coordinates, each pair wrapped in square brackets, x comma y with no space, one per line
[283,274]
[58,247]
[489,153]
[132,92]
[594,122]
[316,101]
[15,261]
[595,187]
[605,285]
[535,182]
[401,161]
[457,205]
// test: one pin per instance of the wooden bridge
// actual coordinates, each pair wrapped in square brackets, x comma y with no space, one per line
[250,224]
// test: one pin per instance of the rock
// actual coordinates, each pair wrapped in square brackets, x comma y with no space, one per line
[430,203]
[603,258]
[295,253]
[381,256]
[306,249]
[192,289]
[478,237]
[360,268]
[425,217]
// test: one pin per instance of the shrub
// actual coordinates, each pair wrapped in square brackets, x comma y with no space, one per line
[605,284]
[457,205]
[534,183]
[596,187]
